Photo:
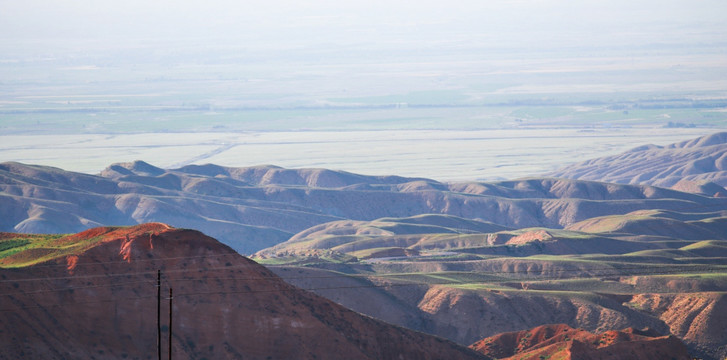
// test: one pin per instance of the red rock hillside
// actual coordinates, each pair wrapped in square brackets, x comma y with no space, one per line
[94,296]
[563,342]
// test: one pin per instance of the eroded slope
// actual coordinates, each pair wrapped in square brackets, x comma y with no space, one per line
[254,208]
[560,341]
[100,302]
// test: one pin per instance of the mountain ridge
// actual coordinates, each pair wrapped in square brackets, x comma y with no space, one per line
[701,160]
[254,208]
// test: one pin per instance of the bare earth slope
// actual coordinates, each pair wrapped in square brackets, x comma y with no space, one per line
[697,318]
[563,342]
[700,160]
[254,208]
[99,302]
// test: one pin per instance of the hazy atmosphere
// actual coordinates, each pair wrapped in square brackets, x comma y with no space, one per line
[524,179]
[382,87]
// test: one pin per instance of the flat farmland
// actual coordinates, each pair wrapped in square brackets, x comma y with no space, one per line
[413,110]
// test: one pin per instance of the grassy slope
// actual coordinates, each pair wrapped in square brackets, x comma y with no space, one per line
[21,250]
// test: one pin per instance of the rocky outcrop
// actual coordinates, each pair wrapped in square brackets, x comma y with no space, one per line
[700,318]
[499,312]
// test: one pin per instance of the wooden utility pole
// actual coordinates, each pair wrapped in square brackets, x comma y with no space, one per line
[170,323]
[159,313]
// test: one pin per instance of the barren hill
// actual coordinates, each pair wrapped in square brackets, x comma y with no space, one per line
[697,318]
[254,208]
[94,295]
[701,161]
[413,233]
[563,342]
[638,231]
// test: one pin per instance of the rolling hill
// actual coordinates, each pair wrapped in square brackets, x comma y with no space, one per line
[699,165]
[650,268]
[254,208]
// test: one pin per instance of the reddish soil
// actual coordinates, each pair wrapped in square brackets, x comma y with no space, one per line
[699,318]
[225,306]
[530,236]
[563,342]
[108,233]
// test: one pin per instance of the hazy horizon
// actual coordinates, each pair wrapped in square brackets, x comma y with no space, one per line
[279,21]
[77,68]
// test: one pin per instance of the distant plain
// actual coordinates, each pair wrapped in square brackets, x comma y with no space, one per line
[444,155]
[433,113]
[456,104]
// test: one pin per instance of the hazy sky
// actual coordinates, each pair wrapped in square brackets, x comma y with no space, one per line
[284,23]
[225,55]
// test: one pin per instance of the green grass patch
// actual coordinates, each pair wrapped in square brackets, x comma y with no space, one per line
[565,259]
[582,284]
[27,250]
[481,286]
[717,275]
[442,278]
[13,249]
[368,252]
[12,244]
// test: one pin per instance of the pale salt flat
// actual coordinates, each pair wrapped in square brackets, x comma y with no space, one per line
[445,155]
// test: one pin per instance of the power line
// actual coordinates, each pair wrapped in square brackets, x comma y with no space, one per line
[369,285]
[79,303]
[119,274]
[77,288]
[135,261]
[237,267]
[292,288]
[647,268]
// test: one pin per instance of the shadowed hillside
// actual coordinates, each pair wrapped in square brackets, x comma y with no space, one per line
[254,208]
[98,301]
